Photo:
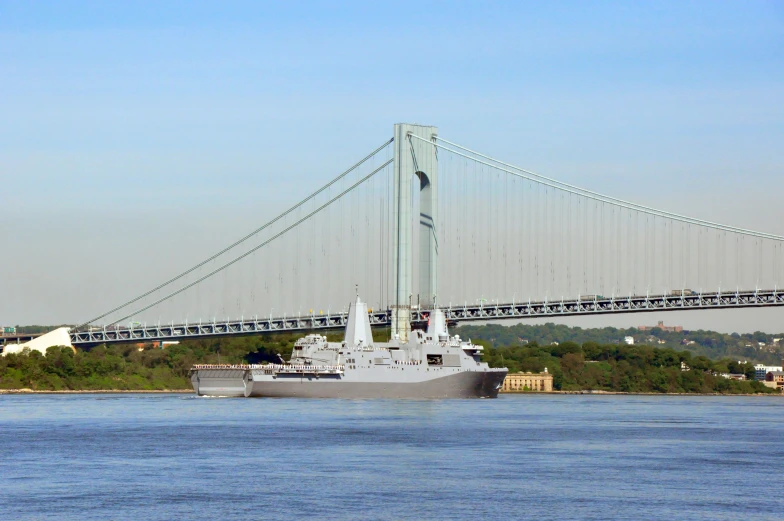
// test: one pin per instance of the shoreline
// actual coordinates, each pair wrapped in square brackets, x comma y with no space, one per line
[613,393]
[527,393]
[98,391]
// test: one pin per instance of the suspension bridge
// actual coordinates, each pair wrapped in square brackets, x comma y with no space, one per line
[424,222]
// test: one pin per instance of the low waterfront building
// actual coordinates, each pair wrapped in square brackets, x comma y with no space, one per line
[516,382]
[776,377]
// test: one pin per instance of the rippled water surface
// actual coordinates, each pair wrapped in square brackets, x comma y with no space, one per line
[518,457]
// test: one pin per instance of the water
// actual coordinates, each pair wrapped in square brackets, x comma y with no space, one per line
[162,457]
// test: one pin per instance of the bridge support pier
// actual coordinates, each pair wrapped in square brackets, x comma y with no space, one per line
[415,162]
[58,337]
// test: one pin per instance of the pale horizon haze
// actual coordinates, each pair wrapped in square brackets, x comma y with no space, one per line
[137,138]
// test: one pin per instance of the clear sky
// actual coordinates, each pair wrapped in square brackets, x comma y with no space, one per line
[184,124]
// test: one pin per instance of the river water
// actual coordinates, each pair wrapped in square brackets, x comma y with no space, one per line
[150,457]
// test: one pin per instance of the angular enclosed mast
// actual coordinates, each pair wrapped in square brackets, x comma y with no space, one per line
[358,328]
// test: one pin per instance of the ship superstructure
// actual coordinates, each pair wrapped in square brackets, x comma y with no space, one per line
[430,364]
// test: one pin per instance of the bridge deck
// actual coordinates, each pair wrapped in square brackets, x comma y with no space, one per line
[518,310]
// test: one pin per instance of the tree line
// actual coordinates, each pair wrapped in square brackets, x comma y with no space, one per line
[134,367]
[575,366]
[624,368]
[711,344]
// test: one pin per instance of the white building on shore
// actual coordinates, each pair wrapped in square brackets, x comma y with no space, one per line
[760,371]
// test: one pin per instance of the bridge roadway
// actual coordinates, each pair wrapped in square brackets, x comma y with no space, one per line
[18,338]
[518,310]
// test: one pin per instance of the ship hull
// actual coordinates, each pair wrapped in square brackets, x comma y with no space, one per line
[464,384]
[222,382]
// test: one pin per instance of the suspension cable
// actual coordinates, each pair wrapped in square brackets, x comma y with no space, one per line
[243,239]
[237,259]
[537,178]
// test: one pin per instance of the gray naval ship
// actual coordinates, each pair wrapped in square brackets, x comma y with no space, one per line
[431,364]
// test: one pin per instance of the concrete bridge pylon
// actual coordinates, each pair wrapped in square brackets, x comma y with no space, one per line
[57,337]
[415,162]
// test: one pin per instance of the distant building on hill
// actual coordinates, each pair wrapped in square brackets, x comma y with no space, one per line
[761,371]
[156,344]
[629,340]
[660,325]
[515,382]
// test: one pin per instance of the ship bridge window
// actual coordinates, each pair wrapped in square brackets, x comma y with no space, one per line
[435,360]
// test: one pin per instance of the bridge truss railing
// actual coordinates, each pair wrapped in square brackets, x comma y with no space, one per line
[466,313]
[242,326]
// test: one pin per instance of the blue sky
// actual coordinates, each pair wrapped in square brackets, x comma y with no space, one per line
[154,118]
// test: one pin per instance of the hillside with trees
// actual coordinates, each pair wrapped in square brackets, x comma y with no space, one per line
[575,365]
[134,367]
[752,347]
[624,368]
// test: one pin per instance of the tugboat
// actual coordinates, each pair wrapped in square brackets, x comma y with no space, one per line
[431,364]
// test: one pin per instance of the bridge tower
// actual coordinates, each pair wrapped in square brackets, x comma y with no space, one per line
[415,162]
